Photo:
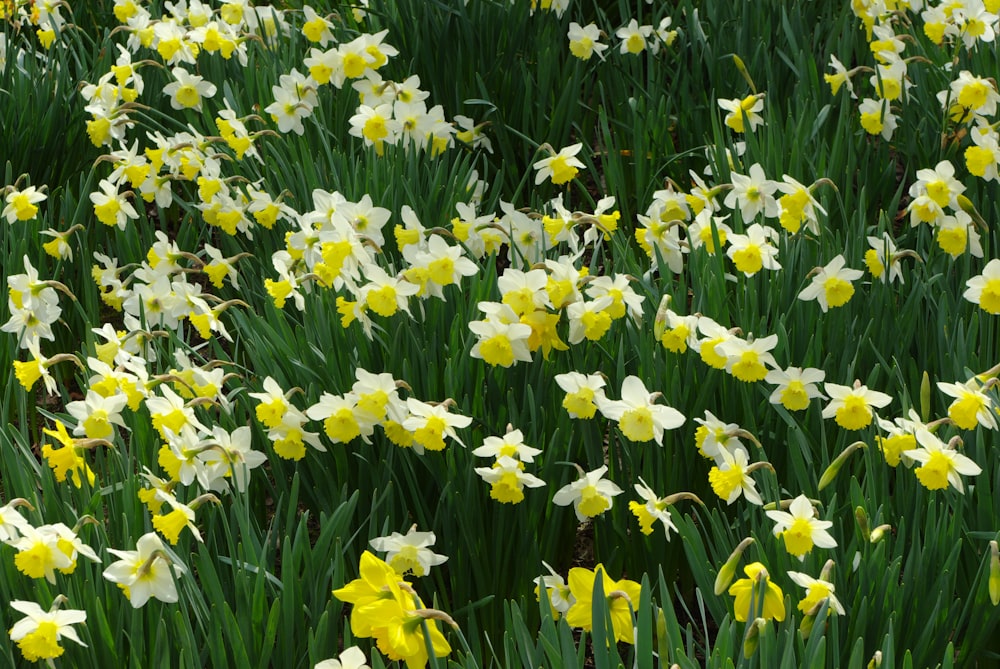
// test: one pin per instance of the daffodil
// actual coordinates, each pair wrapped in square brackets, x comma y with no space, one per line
[755,250]
[38,634]
[738,108]
[622,597]
[385,608]
[749,359]
[188,90]
[877,118]
[638,415]
[584,41]
[882,256]
[971,407]
[730,478]
[409,553]
[713,335]
[172,523]
[510,445]
[39,553]
[22,205]
[753,193]
[634,38]
[714,435]
[508,479]
[900,437]
[350,658]
[147,572]
[983,157]
[984,289]
[939,184]
[797,206]
[840,77]
[561,167]
[584,393]
[559,595]
[11,520]
[940,464]
[431,423]
[651,509]
[831,284]
[271,404]
[795,386]
[757,594]
[340,419]
[800,529]
[705,228]
[852,407]
[68,459]
[591,494]
[817,592]
[589,319]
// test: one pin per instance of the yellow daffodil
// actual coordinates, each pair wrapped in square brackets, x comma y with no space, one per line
[759,591]
[622,598]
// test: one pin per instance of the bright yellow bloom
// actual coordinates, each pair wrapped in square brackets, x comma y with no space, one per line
[622,598]
[757,591]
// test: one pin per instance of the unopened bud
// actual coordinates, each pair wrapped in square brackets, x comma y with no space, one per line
[752,639]
[741,66]
[879,532]
[925,398]
[728,570]
[838,462]
[435,614]
[660,322]
[970,209]
[994,573]
[862,519]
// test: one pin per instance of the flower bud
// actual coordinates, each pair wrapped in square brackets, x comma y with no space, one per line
[728,570]
[925,398]
[752,639]
[838,462]
[994,573]
[862,518]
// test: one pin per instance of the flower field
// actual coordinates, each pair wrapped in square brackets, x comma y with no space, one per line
[500,333]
